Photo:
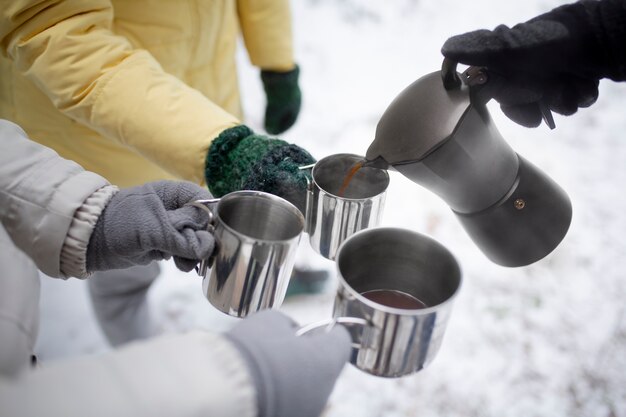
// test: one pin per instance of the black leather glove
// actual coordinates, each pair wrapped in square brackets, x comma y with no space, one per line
[557,58]
[283,99]
[150,222]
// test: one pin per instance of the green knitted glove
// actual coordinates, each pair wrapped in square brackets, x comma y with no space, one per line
[283,99]
[239,159]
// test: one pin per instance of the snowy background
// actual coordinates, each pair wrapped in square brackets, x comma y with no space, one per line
[544,340]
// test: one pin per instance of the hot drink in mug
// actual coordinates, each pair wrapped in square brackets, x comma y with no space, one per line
[343,198]
[394,295]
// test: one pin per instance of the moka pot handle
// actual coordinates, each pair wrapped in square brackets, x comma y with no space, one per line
[476,78]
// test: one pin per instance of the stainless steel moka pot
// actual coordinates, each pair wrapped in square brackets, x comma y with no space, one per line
[438,133]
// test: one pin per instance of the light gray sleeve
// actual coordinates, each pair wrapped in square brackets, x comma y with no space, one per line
[197,374]
[40,192]
[19,307]
[74,250]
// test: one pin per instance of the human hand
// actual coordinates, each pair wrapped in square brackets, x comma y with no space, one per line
[556,58]
[239,159]
[294,375]
[283,99]
[151,222]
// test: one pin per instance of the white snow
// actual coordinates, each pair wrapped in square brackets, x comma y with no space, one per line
[544,340]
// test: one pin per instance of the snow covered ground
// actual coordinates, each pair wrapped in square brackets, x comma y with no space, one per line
[544,340]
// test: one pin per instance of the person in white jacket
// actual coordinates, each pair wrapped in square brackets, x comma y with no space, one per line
[69,222]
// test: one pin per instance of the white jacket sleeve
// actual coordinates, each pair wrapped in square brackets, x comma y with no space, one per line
[48,205]
[196,374]
[19,307]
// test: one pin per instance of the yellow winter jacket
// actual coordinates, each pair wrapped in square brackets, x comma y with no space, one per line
[133,90]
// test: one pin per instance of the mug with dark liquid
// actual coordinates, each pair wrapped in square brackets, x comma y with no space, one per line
[395,299]
[394,295]
[343,198]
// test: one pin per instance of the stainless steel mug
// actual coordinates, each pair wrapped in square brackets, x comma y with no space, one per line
[257,235]
[333,214]
[395,296]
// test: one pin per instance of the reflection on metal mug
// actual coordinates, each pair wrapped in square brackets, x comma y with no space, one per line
[339,206]
[257,235]
[395,296]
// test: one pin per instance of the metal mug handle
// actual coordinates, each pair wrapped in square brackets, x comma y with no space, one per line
[330,323]
[205,264]
[308,215]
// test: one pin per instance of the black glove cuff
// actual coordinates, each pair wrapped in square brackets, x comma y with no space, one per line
[598,30]
[608,19]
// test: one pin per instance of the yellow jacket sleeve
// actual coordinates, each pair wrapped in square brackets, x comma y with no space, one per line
[67,48]
[266,30]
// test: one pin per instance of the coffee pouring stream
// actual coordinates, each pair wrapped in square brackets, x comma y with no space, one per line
[439,134]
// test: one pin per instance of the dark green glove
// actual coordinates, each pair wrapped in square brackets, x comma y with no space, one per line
[557,58]
[239,159]
[283,99]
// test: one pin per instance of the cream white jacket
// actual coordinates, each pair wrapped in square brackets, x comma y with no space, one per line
[48,208]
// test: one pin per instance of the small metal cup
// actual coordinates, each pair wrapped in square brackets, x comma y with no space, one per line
[387,341]
[257,235]
[332,218]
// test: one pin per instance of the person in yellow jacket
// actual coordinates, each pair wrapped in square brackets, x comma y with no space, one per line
[141,90]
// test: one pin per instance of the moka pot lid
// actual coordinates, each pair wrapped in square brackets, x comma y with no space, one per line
[419,120]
